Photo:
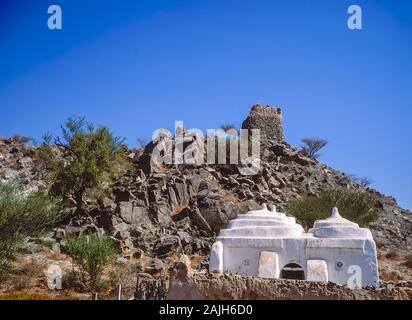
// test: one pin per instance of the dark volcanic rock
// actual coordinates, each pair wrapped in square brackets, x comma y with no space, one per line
[167,209]
[167,245]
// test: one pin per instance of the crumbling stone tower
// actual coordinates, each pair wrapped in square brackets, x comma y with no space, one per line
[268,120]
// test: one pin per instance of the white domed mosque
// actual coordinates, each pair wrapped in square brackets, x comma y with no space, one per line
[266,243]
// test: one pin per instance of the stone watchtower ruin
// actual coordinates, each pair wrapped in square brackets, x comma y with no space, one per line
[268,120]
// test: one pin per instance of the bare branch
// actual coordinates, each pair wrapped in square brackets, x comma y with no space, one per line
[312,146]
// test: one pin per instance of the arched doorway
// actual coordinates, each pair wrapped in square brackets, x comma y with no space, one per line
[292,271]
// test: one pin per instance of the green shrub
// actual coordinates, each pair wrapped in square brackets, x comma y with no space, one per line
[85,158]
[22,216]
[91,254]
[72,281]
[358,206]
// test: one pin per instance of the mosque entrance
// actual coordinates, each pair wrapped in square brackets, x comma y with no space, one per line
[292,271]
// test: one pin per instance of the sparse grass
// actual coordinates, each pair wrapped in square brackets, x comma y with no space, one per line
[124,274]
[392,254]
[408,261]
[53,255]
[32,268]
[25,275]
[46,243]
[390,276]
[35,296]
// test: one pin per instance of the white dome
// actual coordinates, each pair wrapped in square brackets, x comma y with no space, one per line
[337,227]
[262,223]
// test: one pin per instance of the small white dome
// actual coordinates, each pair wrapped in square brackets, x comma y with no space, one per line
[337,227]
[262,223]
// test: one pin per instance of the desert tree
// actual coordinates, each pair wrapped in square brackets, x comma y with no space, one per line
[312,146]
[365,181]
[81,160]
[91,253]
[362,181]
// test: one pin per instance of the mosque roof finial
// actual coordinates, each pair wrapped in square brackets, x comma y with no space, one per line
[335,213]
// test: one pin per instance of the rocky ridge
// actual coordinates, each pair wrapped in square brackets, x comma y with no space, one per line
[159,213]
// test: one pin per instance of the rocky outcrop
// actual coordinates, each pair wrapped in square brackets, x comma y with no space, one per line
[150,288]
[169,210]
[17,163]
[393,228]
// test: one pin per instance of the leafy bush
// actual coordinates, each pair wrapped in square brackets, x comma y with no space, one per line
[87,158]
[22,216]
[356,206]
[91,254]
[72,281]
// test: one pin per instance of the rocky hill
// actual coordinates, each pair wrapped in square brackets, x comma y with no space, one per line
[158,213]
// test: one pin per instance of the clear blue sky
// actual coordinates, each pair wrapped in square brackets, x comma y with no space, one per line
[136,66]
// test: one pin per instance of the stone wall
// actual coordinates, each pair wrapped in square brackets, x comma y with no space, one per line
[185,284]
[269,120]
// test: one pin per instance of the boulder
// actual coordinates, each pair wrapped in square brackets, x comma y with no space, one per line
[133,215]
[167,245]
[122,195]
